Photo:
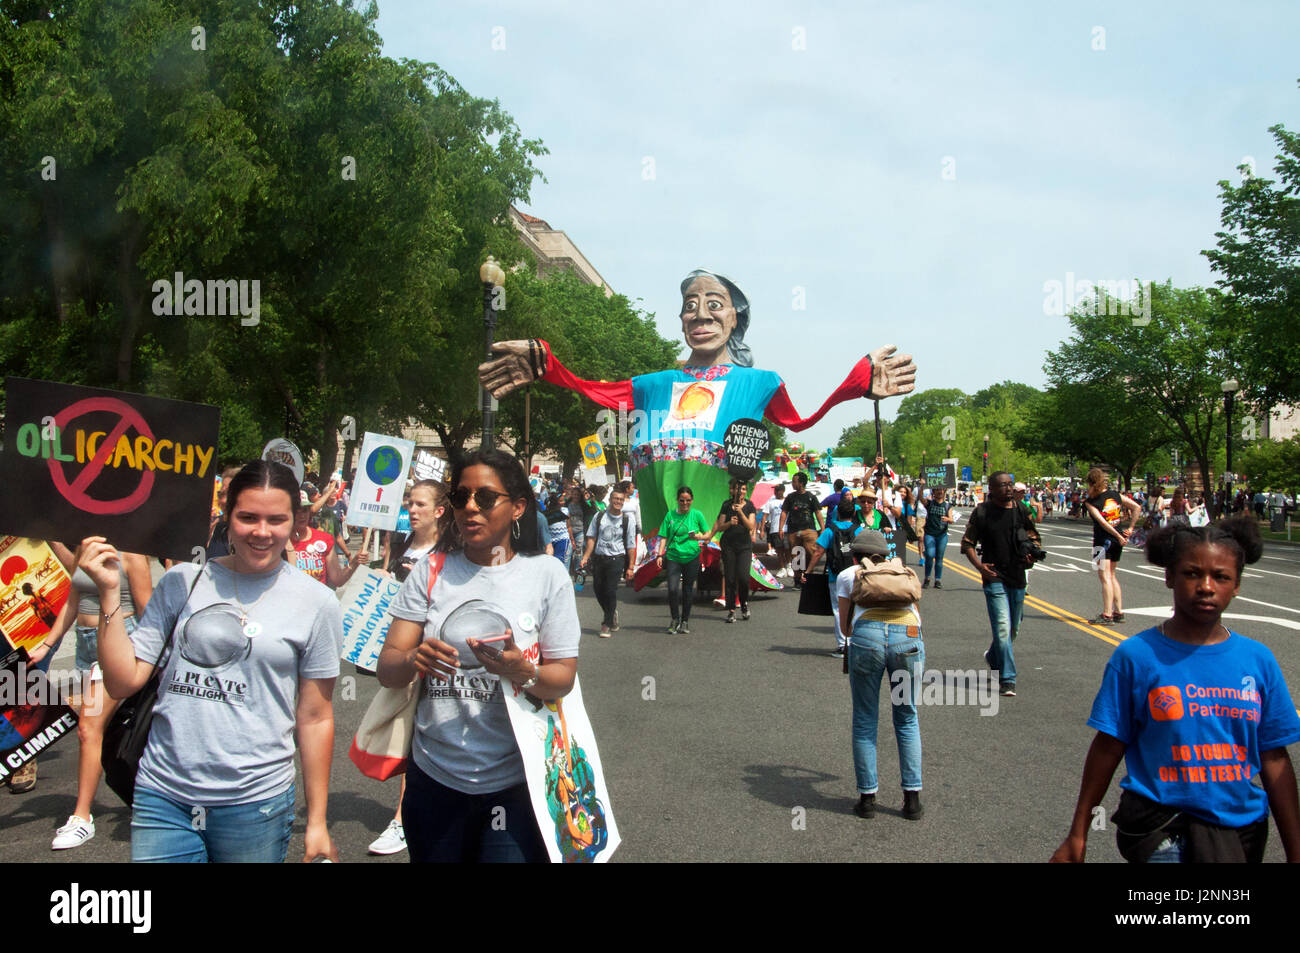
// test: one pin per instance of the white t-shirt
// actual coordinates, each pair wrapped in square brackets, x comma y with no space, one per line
[463,738]
[772,514]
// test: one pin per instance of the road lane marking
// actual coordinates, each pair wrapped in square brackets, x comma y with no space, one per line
[1056,612]
[1166,612]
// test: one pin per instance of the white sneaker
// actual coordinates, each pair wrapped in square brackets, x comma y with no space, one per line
[73,834]
[391,841]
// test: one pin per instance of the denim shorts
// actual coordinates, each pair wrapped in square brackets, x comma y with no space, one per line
[87,658]
[167,831]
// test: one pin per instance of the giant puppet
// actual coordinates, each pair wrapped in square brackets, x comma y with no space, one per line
[685,411]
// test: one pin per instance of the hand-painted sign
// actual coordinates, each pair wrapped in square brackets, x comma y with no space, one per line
[281,450]
[365,600]
[747,442]
[377,491]
[81,461]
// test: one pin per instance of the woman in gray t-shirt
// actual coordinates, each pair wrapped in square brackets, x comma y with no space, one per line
[254,653]
[466,799]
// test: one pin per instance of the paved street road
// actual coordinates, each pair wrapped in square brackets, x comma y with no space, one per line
[733,743]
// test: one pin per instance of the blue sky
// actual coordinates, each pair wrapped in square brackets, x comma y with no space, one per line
[919,170]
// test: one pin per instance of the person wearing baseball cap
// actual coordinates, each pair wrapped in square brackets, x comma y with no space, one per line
[882,639]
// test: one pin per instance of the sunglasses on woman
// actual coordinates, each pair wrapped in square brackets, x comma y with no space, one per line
[484,498]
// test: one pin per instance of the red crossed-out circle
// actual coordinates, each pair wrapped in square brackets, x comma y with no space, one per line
[75,492]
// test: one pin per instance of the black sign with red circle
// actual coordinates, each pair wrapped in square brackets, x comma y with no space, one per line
[81,461]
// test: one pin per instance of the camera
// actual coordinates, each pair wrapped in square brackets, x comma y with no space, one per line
[1027,547]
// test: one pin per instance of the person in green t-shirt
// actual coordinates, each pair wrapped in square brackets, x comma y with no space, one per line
[679,552]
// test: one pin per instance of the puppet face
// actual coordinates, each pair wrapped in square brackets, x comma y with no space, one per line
[708,316]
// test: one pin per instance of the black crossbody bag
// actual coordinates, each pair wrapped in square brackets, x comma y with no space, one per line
[128,732]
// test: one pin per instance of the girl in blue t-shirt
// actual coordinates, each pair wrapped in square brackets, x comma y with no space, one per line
[1195,711]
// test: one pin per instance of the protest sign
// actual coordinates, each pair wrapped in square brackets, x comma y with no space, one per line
[284,451]
[380,482]
[747,442]
[593,454]
[33,587]
[81,461]
[565,782]
[27,724]
[940,474]
[365,601]
[429,467]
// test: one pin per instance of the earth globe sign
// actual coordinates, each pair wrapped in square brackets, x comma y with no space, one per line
[384,465]
[593,450]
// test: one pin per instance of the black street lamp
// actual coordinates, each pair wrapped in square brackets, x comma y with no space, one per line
[493,278]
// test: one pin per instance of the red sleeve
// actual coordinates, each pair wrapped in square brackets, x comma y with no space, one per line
[615,395]
[782,413]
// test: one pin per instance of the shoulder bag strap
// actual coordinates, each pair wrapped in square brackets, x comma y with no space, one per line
[436,561]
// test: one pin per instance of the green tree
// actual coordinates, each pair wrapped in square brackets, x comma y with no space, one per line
[277,147]
[1258,256]
[1170,369]
[1094,422]
[1272,464]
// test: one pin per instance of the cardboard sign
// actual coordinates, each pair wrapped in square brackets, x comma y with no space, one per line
[365,601]
[28,724]
[380,482]
[565,782]
[81,461]
[429,467]
[747,442]
[284,451]
[33,588]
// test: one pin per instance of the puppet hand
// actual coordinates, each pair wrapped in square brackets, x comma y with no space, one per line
[891,374]
[512,370]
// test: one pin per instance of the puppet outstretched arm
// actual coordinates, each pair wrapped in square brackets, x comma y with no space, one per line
[521,362]
[880,374]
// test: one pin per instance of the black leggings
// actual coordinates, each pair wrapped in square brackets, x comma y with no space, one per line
[681,586]
[735,570]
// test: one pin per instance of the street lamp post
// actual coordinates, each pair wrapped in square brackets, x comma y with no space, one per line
[1230,388]
[985,478]
[493,278]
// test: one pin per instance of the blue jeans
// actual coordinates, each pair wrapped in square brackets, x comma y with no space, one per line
[876,648]
[935,546]
[444,826]
[166,831]
[1168,851]
[1006,605]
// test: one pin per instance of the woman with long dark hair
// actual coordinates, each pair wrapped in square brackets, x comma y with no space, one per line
[485,581]
[251,666]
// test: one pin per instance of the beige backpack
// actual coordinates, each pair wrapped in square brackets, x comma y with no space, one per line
[887,583]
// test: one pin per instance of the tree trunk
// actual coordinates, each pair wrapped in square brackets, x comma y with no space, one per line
[132,302]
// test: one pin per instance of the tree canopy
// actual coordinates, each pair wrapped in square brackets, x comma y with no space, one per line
[1258,256]
[258,142]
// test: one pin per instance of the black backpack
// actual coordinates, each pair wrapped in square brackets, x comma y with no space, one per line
[839,555]
[600,516]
